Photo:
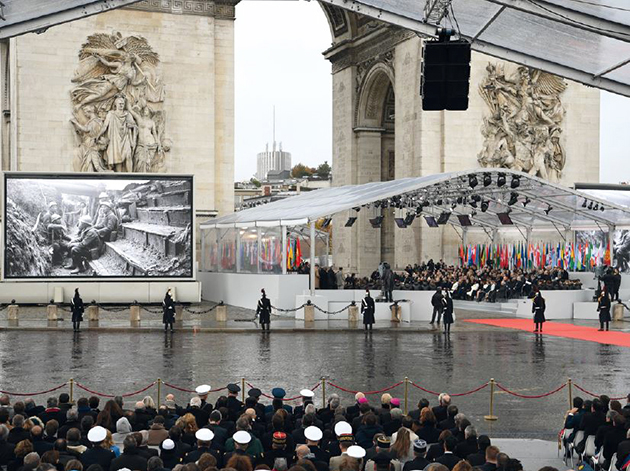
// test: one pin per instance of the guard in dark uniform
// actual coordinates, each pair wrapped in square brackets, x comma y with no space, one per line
[438,306]
[263,310]
[77,310]
[233,404]
[168,307]
[603,306]
[538,308]
[367,310]
[447,302]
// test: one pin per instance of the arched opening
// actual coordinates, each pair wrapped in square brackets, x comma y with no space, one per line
[375,124]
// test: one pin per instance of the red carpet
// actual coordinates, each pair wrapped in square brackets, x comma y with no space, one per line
[558,329]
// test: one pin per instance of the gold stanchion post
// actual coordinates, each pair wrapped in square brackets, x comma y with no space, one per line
[159,392]
[491,416]
[406,394]
[570,385]
[71,390]
[323,392]
[243,390]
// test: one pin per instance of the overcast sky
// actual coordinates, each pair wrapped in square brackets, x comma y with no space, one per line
[278,62]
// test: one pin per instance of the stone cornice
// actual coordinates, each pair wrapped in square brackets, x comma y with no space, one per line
[355,51]
[219,9]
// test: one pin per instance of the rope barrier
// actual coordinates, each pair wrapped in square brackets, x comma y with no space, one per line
[472,391]
[79,385]
[285,399]
[332,313]
[201,312]
[368,392]
[597,395]
[524,396]
[34,394]
[190,390]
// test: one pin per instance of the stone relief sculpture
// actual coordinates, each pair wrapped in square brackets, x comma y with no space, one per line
[524,127]
[118,99]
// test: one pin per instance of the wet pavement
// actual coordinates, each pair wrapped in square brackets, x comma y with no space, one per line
[121,360]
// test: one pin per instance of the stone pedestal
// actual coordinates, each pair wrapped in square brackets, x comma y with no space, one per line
[309,313]
[13,312]
[221,313]
[396,312]
[353,314]
[179,315]
[92,313]
[618,312]
[134,315]
[52,312]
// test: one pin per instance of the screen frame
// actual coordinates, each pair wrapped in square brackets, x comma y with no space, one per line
[505,219]
[433,222]
[98,176]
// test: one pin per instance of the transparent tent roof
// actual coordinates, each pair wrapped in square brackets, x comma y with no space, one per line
[532,203]
[584,40]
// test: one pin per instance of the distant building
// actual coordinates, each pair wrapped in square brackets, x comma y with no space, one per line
[274,160]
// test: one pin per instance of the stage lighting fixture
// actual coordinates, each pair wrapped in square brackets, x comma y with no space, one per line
[584,203]
[516,182]
[473,204]
[527,201]
[443,218]
[439,202]
[472,181]
[590,205]
[350,222]
[376,222]
[601,208]
[474,213]
[513,199]
[501,179]
[548,210]
[419,209]
[596,207]
[426,204]
[410,218]
[454,205]
[460,200]
[326,223]
[484,206]
[487,179]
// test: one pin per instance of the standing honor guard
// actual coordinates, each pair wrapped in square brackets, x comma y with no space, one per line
[603,306]
[448,311]
[77,310]
[168,307]
[538,308]
[264,311]
[438,306]
[367,309]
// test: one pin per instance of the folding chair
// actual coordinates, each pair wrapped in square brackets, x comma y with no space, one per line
[579,436]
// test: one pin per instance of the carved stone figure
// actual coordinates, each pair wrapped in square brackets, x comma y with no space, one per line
[118,106]
[523,129]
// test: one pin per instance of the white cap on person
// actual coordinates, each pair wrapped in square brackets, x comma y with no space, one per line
[203,389]
[242,437]
[168,444]
[97,434]
[313,433]
[307,393]
[204,435]
[343,428]
[355,451]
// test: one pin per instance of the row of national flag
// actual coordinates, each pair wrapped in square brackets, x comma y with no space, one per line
[270,254]
[570,256]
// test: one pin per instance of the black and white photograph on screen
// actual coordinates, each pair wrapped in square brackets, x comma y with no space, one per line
[112,227]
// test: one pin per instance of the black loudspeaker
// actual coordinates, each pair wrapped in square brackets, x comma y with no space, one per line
[445,75]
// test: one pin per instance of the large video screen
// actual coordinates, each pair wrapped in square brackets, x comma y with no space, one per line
[98,226]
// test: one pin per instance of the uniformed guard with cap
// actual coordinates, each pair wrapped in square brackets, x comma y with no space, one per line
[204,438]
[368,309]
[242,440]
[169,454]
[382,459]
[313,436]
[233,404]
[255,394]
[263,310]
[307,398]
[342,429]
[279,456]
[203,391]
[278,394]
[419,452]
[99,453]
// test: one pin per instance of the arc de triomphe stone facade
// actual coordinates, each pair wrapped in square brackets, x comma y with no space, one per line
[380,133]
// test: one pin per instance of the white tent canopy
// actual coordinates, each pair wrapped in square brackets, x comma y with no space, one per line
[587,41]
[536,203]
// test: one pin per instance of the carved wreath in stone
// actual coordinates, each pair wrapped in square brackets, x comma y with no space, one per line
[525,123]
[117,103]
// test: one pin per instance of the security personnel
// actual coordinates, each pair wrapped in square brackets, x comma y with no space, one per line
[603,306]
[538,308]
[233,404]
[263,310]
[367,309]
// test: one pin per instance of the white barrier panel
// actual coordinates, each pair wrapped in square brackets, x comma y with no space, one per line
[586,310]
[243,289]
[559,304]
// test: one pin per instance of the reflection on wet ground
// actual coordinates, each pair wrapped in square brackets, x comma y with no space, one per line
[120,362]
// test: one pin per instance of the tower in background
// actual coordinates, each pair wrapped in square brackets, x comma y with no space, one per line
[274,160]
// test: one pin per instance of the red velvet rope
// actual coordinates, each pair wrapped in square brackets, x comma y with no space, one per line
[597,395]
[368,392]
[79,385]
[538,396]
[33,394]
[472,391]
[286,399]
[190,390]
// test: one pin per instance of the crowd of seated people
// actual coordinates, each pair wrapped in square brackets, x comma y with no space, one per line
[471,282]
[608,421]
[235,436]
